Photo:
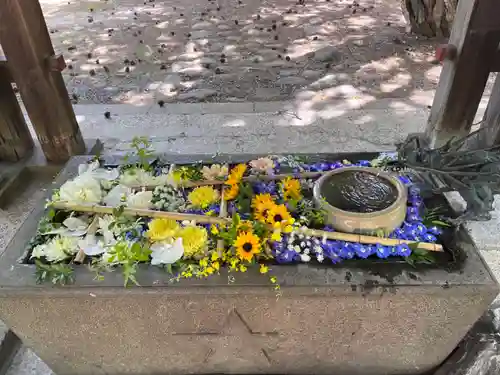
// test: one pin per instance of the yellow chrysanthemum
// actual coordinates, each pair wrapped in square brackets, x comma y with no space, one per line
[262,209]
[194,240]
[231,190]
[291,189]
[203,196]
[264,268]
[278,216]
[247,245]
[162,229]
[237,173]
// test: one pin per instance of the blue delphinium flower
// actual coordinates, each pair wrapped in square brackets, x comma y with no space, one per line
[403,250]
[361,251]
[435,230]
[287,256]
[412,211]
[413,218]
[331,251]
[398,233]
[382,251]
[415,201]
[265,187]
[427,237]
[405,180]
[346,250]
[335,165]
[364,163]
[413,191]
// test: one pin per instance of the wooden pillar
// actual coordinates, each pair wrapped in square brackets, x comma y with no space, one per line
[15,137]
[26,43]
[476,35]
[490,126]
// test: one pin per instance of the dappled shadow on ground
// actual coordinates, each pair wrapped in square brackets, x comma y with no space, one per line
[142,52]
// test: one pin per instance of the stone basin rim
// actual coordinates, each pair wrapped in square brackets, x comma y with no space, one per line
[387,176]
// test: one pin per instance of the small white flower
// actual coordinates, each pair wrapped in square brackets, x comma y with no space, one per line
[302,244]
[308,237]
[316,241]
[320,258]
[318,250]
[296,248]
[264,165]
[309,243]
[140,200]
[305,257]
[165,253]
[307,251]
[215,171]
[301,236]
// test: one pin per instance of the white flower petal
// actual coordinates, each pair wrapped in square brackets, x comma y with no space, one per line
[82,190]
[75,223]
[114,197]
[91,246]
[165,253]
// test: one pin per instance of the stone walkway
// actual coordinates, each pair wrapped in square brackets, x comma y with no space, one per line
[127,51]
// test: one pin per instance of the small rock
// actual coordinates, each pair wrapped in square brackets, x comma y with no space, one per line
[201,25]
[327,54]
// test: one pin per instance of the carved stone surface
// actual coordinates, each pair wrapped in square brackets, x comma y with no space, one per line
[354,318]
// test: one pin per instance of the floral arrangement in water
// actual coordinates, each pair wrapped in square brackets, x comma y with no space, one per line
[194,220]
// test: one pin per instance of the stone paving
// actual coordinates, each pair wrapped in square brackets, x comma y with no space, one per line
[126,51]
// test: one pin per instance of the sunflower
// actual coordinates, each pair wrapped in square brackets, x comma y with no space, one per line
[261,199]
[279,216]
[247,245]
[291,189]
[203,196]
[261,210]
[162,229]
[237,173]
[245,226]
[231,190]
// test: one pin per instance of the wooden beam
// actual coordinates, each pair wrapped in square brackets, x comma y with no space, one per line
[15,137]
[463,80]
[26,43]
[491,121]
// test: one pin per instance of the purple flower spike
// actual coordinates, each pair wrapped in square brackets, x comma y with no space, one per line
[412,211]
[382,251]
[414,191]
[398,233]
[403,250]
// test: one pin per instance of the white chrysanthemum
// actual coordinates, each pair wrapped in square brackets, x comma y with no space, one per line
[57,249]
[83,189]
[262,165]
[140,200]
[305,257]
[117,196]
[166,253]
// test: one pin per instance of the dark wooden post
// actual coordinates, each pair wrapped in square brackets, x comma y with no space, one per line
[15,137]
[26,43]
[475,35]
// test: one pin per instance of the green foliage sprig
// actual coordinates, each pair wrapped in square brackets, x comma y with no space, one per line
[57,274]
